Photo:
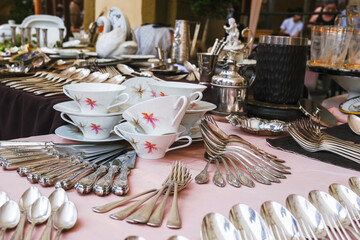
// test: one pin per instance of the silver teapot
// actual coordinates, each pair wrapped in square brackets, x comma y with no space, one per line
[229,90]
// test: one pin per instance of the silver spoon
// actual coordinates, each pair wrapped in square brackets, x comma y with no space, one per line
[125,69]
[56,198]
[3,198]
[216,226]
[354,123]
[133,237]
[309,218]
[354,183]
[38,213]
[349,200]
[249,222]
[335,215]
[203,176]
[281,222]
[177,237]
[9,216]
[65,217]
[218,178]
[25,202]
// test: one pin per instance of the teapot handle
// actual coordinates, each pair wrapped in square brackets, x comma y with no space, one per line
[250,36]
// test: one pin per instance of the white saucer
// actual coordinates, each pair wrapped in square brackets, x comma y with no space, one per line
[73,133]
[72,108]
[195,135]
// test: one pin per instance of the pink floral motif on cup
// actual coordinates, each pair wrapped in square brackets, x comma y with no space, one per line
[153,94]
[96,128]
[162,94]
[77,99]
[150,119]
[150,147]
[193,105]
[91,103]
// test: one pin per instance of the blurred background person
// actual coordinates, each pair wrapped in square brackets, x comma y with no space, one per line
[76,7]
[292,26]
[326,14]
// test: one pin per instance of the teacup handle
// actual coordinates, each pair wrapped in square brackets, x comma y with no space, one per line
[198,98]
[116,130]
[181,146]
[67,94]
[185,102]
[119,103]
[62,115]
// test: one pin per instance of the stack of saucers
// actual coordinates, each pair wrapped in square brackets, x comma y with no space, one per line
[89,114]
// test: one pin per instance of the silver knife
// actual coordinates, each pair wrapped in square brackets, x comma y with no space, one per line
[120,185]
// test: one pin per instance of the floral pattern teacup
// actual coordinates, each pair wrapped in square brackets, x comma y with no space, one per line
[96,98]
[93,126]
[150,146]
[190,90]
[157,116]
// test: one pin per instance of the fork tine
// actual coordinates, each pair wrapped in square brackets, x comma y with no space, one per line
[341,229]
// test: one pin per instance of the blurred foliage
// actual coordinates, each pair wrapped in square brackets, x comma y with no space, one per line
[20,9]
[211,8]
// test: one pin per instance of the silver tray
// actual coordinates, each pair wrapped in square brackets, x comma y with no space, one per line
[258,126]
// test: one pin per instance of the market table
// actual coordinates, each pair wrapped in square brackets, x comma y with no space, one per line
[24,114]
[194,202]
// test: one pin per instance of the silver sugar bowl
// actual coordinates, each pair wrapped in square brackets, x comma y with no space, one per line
[229,91]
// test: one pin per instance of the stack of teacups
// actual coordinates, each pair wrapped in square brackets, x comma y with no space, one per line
[90,110]
[154,125]
[196,108]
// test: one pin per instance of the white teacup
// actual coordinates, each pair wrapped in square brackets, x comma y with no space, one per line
[93,126]
[157,116]
[190,90]
[150,146]
[96,98]
[195,113]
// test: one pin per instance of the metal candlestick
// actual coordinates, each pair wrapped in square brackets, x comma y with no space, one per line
[13,35]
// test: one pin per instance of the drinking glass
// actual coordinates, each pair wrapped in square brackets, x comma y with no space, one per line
[353,60]
[316,47]
[336,45]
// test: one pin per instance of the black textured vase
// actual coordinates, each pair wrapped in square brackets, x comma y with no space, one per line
[280,72]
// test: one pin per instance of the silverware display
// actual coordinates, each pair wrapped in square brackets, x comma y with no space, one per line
[70,165]
[321,216]
[178,178]
[65,218]
[38,213]
[9,216]
[310,137]
[262,166]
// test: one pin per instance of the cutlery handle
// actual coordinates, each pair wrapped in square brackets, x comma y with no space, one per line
[107,207]
[120,185]
[103,185]
[29,232]
[12,165]
[158,215]
[72,179]
[143,214]
[31,167]
[58,233]
[174,220]
[121,215]
[34,177]
[18,235]
[2,233]
[51,179]
[86,184]
[46,234]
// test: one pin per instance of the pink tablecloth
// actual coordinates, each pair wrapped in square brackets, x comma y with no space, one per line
[332,104]
[194,202]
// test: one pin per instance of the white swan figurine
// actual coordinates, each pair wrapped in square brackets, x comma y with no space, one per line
[112,43]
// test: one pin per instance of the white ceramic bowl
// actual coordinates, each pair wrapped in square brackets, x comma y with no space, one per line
[93,126]
[96,98]
[195,113]
[150,146]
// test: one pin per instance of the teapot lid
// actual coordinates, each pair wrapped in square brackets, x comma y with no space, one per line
[229,77]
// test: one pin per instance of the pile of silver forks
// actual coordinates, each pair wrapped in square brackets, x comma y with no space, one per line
[241,155]
[334,215]
[309,136]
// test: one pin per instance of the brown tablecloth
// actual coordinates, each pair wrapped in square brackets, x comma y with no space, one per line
[24,114]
